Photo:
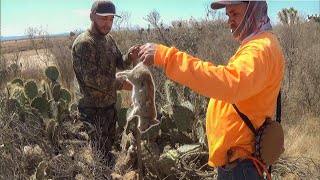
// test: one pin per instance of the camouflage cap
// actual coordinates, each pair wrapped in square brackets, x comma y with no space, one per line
[104,8]
[222,4]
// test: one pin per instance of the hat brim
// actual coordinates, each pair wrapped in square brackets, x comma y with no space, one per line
[108,14]
[222,4]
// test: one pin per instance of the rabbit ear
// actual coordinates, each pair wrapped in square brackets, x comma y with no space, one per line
[123,73]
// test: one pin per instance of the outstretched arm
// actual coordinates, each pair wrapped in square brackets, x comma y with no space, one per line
[245,76]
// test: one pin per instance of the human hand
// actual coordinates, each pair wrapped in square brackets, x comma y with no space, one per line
[126,85]
[147,52]
[133,53]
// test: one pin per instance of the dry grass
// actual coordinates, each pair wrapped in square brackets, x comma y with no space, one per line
[296,168]
[302,138]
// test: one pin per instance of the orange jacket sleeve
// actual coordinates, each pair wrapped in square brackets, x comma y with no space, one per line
[245,75]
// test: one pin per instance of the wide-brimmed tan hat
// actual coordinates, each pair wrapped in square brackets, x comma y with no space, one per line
[104,8]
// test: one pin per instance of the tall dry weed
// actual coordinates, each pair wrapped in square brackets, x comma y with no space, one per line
[302,138]
[31,70]
[3,70]
[301,92]
[11,166]
[62,58]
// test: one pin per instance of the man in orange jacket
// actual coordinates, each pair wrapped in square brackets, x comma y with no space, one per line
[251,80]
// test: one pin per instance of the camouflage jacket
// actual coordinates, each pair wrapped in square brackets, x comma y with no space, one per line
[95,59]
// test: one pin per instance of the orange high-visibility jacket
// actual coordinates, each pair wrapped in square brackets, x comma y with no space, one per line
[251,79]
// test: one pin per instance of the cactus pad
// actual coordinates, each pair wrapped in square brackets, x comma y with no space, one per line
[65,95]
[40,172]
[13,105]
[171,92]
[119,101]
[41,104]
[31,89]
[56,92]
[17,92]
[17,81]
[122,117]
[52,73]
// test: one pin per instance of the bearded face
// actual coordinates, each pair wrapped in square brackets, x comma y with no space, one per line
[102,24]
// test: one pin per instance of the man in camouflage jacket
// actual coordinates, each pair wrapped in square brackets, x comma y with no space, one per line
[95,59]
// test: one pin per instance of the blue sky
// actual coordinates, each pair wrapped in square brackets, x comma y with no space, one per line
[59,16]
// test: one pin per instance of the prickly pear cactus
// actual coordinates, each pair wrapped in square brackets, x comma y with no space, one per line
[17,81]
[181,116]
[31,89]
[188,105]
[122,117]
[56,92]
[65,95]
[44,90]
[13,105]
[119,101]
[167,123]
[74,107]
[15,68]
[52,73]
[167,161]
[40,172]
[41,104]
[171,92]
[17,92]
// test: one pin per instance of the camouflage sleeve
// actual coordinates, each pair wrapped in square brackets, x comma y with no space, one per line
[123,61]
[90,71]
